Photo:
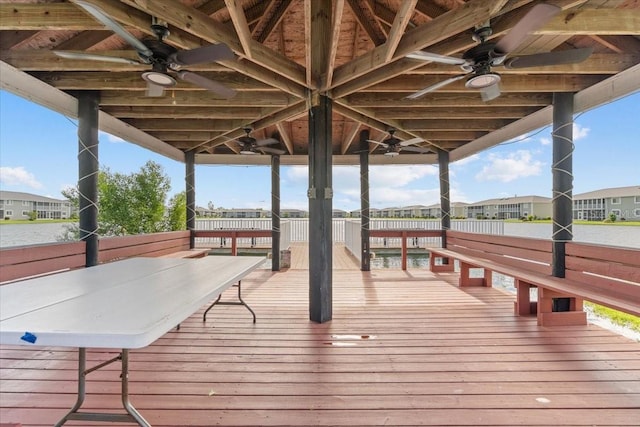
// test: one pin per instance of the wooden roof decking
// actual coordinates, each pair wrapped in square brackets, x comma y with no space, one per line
[403,348]
[290,51]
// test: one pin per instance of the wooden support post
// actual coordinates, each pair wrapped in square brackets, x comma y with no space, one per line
[190,191]
[404,250]
[548,317]
[523,305]
[88,167]
[320,211]
[365,244]
[445,203]
[234,243]
[562,170]
[275,213]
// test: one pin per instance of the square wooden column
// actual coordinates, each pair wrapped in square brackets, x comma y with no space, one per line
[320,195]
[190,191]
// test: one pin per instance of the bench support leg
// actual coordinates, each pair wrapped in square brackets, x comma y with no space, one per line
[132,415]
[239,302]
[548,317]
[446,266]
[523,304]
[467,280]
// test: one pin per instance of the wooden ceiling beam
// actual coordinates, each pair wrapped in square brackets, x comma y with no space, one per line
[181,125]
[597,63]
[46,16]
[270,19]
[185,136]
[146,112]
[447,100]
[366,23]
[486,112]
[234,7]
[430,9]
[85,40]
[452,124]
[594,22]
[511,83]
[398,28]
[198,98]
[336,20]
[321,34]
[284,129]
[619,44]
[102,80]
[347,140]
[12,38]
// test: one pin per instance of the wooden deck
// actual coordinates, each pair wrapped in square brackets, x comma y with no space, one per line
[403,348]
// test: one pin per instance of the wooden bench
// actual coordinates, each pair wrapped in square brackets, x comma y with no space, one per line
[36,260]
[605,275]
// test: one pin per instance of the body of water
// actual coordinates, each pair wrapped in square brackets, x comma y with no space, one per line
[44,232]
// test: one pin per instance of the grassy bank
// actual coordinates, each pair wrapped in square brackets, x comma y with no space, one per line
[617,317]
[580,222]
[38,221]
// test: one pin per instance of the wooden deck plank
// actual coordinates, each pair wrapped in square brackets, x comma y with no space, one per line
[404,348]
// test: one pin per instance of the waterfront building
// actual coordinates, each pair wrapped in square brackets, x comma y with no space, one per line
[510,208]
[623,202]
[17,205]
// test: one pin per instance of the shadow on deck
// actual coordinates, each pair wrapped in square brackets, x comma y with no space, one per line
[403,348]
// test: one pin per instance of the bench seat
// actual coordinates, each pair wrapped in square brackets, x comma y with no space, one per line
[610,280]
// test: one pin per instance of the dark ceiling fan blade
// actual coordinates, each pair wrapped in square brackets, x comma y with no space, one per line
[416,149]
[94,57]
[208,84]
[539,15]
[154,90]
[105,19]
[436,86]
[434,57]
[268,141]
[271,150]
[411,141]
[200,55]
[572,56]
[490,92]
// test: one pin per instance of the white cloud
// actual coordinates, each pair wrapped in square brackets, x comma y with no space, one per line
[111,138]
[18,176]
[518,164]
[545,140]
[579,132]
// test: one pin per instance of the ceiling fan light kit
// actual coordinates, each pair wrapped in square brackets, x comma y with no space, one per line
[159,78]
[481,81]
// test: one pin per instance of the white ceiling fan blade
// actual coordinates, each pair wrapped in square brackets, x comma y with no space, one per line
[538,16]
[434,57]
[378,143]
[411,141]
[416,149]
[436,86]
[94,57]
[103,18]
[268,141]
[271,150]
[154,90]
[208,84]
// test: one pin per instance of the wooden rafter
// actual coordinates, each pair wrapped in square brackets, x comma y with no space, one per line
[347,140]
[265,27]
[336,19]
[285,135]
[397,29]
[375,34]
[240,24]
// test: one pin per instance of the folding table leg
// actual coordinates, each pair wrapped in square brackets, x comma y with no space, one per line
[132,414]
[239,302]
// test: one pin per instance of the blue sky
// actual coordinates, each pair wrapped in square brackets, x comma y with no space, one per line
[38,154]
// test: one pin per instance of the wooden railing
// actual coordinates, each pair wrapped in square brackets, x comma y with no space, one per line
[405,234]
[154,244]
[233,235]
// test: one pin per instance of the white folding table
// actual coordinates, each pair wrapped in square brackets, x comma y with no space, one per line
[121,305]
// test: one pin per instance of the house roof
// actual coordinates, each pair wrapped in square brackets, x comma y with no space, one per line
[633,190]
[287,53]
[512,200]
[16,195]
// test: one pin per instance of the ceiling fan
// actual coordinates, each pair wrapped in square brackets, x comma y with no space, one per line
[162,57]
[477,61]
[251,146]
[394,145]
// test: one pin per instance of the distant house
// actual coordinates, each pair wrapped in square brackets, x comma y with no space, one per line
[510,207]
[623,202]
[293,213]
[241,213]
[16,205]
[339,213]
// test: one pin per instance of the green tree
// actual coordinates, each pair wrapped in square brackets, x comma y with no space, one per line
[177,212]
[134,203]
